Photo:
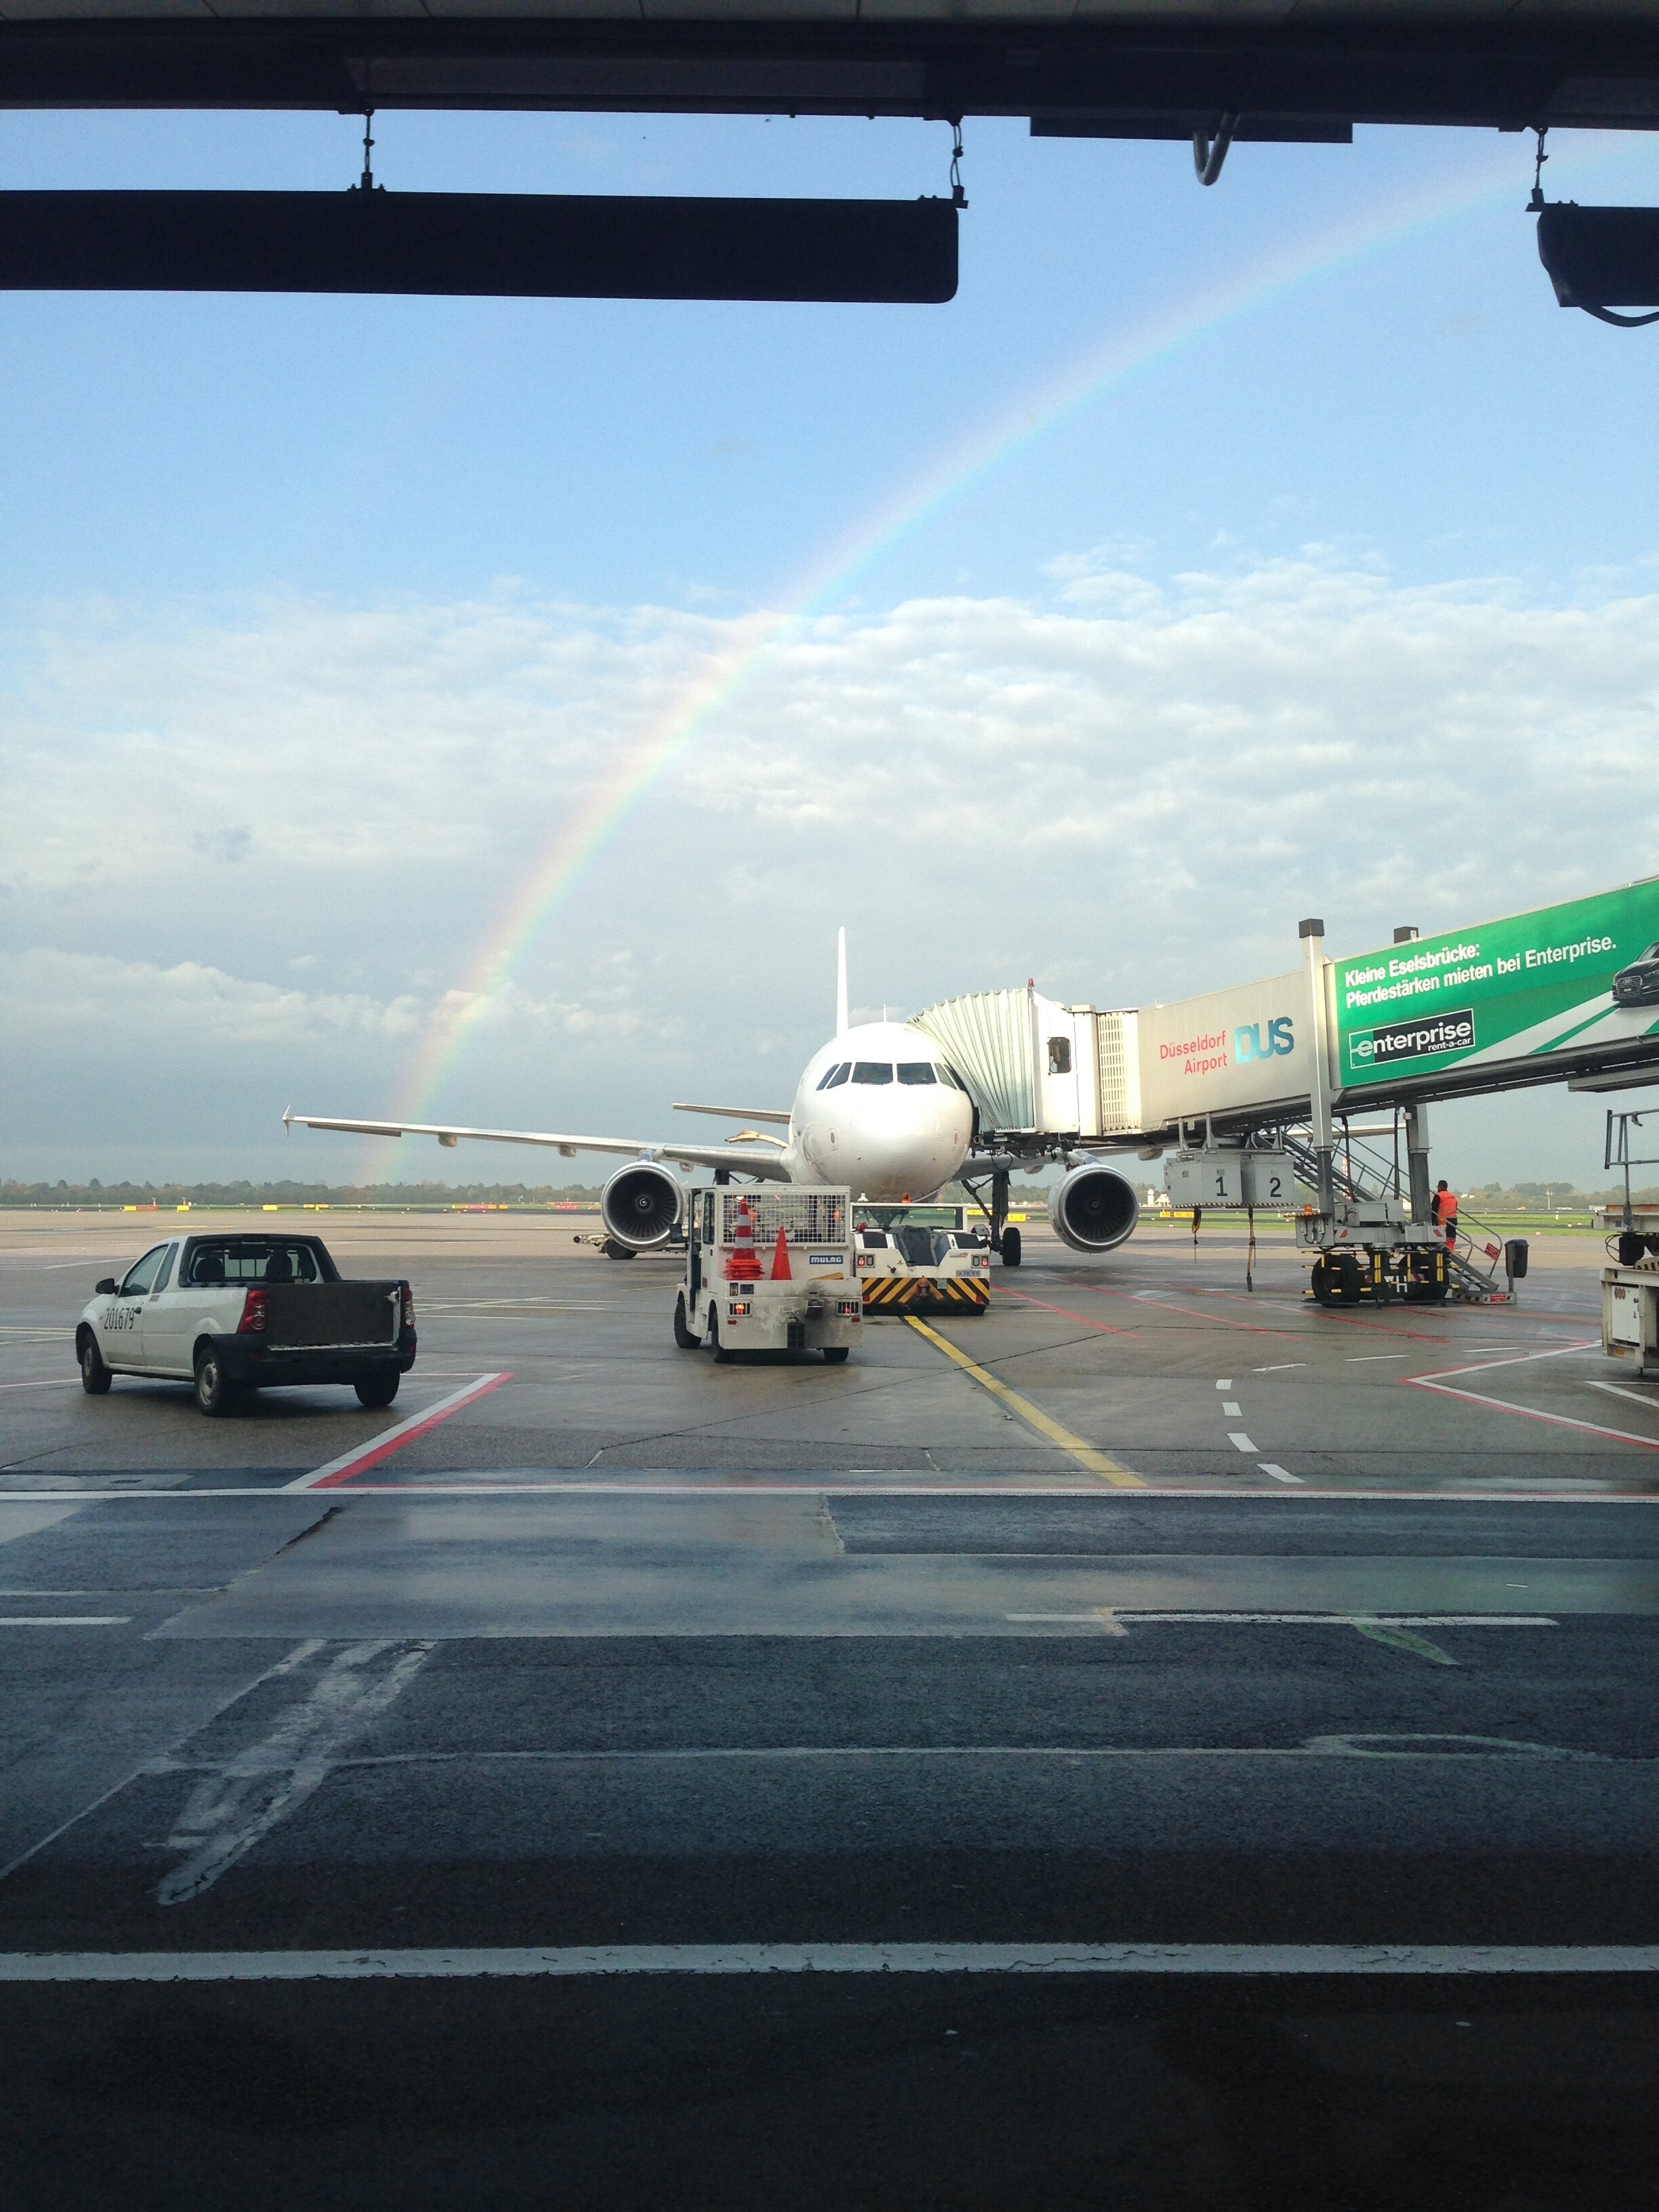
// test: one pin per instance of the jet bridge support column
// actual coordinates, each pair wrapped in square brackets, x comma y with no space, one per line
[1416,1130]
[1417,1160]
[1313,936]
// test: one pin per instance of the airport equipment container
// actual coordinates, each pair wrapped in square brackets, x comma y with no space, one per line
[768,1270]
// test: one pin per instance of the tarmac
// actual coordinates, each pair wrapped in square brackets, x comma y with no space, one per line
[1161,1743]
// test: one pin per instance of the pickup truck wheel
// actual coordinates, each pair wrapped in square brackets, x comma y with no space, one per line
[834,1353]
[95,1377]
[683,1335]
[215,1394]
[378,1390]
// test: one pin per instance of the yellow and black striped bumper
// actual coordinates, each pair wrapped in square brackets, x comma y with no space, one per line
[968,1294]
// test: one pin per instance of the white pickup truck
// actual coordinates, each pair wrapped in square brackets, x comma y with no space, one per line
[234,1312]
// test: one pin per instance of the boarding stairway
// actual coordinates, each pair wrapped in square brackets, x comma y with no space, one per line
[1359,1170]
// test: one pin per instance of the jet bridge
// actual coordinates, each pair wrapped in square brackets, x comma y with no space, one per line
[1563,993]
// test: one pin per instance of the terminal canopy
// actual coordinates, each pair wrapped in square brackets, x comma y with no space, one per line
[1151,68]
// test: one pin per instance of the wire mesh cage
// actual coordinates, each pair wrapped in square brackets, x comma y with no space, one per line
[806,1216]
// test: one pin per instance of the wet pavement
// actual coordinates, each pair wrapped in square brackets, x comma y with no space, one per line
[645,1754]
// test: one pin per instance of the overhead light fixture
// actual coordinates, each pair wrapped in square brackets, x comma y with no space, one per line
[480,244]
[1601,258]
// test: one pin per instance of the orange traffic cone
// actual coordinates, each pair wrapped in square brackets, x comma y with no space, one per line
[742,1266]
[781,1261]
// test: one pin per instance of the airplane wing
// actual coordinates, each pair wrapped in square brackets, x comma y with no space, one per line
[735,1113]
[765,1163]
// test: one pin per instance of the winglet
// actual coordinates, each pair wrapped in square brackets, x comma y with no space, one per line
[842,1022]
[288,1120]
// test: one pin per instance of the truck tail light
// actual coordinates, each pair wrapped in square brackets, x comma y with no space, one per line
[252,1322]
[408,1307]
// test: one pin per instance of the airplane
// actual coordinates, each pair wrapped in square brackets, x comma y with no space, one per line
[877,1109]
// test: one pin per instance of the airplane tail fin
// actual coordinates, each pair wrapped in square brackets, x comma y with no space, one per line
[842,1022]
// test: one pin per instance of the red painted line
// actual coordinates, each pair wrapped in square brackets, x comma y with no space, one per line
[1526,1413]
[1025,1298]
[1161,1305]
[336,1471]
[1350,1320]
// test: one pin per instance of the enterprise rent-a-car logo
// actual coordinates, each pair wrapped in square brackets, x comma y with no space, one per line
[1415,1040]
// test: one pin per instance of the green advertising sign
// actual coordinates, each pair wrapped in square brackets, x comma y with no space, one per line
[1562,982]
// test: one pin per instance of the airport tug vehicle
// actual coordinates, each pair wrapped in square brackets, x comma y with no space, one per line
[768,1270]
[921,1259]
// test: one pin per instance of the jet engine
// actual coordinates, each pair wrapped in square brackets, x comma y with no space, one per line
[1094,1208]
[641,1205]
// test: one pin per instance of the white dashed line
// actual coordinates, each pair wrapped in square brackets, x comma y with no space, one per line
[1239,1437]
[1226,1385]
[1230,1411]
[1367,1359]
[1279,1473]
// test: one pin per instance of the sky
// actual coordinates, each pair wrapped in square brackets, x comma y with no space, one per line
[488,710]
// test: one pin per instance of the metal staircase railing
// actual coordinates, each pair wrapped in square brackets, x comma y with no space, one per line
[1359,1170]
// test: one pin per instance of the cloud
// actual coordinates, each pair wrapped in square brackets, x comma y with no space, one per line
[46,994]
[222,844]
[1130,785]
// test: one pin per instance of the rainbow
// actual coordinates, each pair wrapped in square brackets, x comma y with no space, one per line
[992,445]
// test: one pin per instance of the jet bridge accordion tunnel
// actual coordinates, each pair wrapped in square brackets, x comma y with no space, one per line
[482,244]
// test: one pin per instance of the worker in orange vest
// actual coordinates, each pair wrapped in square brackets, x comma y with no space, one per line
[1445,1212]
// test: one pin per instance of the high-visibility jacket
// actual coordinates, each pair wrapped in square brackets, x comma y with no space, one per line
[1445,1205]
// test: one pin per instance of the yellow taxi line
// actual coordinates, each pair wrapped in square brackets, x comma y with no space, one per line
[1097,1463]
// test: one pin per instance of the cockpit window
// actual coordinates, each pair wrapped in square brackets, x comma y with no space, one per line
[872,1071]
[916,1071]
[832,1076]
[948,1074]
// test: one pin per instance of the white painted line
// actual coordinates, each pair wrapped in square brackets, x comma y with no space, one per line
[1237,1436]
[1230,1410]
[242,1801]
[1435,1381]
[1224,1385]
[1370,1359]
[1617,1390]
[1322,1620]
[55,1382]
[1277,1473]
[367,1964]
[1566,1490]
[393,1439]
[1283,1368]
[286,1665]
[64,1619]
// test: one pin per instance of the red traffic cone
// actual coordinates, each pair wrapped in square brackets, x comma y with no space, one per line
[742,1266]
[781,1261]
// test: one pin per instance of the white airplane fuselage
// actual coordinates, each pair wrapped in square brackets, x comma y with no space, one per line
[886,1129]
